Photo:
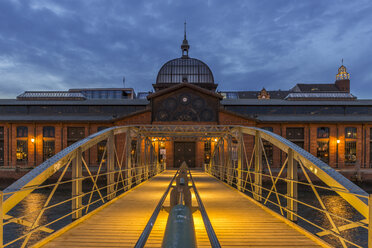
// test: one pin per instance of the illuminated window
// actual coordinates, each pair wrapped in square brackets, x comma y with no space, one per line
[101,146]
[22,132]
[75,134]
[22,152]
[48,132]
[350,152]
[296,135]
[323,151]
[207,152]
[350,145]
[350,133]
[48,142]
[48,149]
[323,132]
[162,152]
[133,152]
[268,148]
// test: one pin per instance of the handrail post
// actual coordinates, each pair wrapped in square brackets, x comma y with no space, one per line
[257,168]
[229,173]
[291,187]
[77,190]
[240,162]
[223,162]
[1,220]
[128,164]
[139,158]
[110,166]
[147,160]
[370,221]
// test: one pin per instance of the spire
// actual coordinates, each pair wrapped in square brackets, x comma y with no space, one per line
[342,72]
[185,44]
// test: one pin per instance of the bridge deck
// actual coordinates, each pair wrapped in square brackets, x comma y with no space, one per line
[237,221]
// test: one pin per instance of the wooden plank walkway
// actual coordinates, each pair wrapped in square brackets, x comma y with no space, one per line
[237,221]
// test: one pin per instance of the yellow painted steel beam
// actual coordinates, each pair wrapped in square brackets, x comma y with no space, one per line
[19,190]
[320,169]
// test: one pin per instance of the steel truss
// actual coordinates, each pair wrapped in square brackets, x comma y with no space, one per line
[235,160]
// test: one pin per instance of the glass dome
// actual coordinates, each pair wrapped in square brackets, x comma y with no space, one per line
[185,70]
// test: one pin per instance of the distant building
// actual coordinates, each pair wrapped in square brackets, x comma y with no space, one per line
[324,119]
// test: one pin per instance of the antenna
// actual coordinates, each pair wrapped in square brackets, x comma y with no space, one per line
[123,82]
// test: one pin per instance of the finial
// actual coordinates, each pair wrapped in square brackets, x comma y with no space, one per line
[342,61]
[185,44]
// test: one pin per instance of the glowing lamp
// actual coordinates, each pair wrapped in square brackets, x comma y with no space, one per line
[338,141]
[32,140]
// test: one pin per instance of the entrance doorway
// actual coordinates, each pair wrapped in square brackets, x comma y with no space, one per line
[184,151]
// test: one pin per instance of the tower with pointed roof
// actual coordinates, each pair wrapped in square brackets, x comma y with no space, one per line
[343,79]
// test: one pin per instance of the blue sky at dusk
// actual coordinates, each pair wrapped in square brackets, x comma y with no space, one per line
[57,45]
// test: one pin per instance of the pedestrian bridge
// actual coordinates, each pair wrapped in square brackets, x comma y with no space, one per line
[238,199]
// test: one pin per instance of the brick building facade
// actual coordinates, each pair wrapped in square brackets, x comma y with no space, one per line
[324,119]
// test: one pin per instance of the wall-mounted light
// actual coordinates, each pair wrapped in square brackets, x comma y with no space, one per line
[32,140]
[215,140]
[338,141]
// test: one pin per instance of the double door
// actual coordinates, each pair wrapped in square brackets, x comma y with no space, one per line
[184,151]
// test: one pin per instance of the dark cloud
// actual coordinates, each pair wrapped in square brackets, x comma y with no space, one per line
[56,45]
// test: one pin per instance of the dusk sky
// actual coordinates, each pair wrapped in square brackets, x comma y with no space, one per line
[62,44]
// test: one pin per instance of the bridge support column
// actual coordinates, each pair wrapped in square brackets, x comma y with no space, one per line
[77,189]
[110,166]
[292,186]
[128,158]
[370,221]
[240,163]
[257,168]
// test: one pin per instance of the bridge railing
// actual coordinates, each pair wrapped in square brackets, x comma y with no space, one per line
[303,189]
[72,184]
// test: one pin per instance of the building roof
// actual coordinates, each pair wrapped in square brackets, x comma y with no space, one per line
[242,102]
[182,85]
[185,69]
[51,95]
[57,118]
[320,96]
[71,102]
[315,88]
[315,118]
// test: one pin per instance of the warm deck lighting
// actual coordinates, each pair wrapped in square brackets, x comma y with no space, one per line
[338,141]
[32,140]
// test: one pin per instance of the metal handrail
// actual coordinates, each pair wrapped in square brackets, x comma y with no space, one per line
[247,172]
[147,230]
[335,189]
[207,223]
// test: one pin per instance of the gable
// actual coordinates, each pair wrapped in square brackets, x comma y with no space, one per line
[185,104]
